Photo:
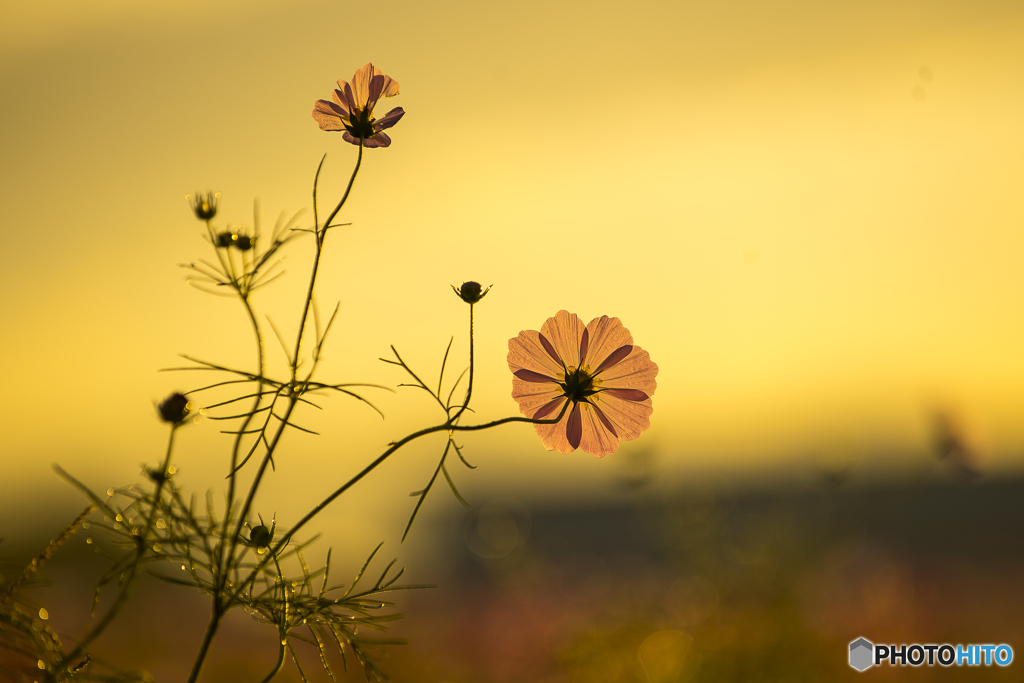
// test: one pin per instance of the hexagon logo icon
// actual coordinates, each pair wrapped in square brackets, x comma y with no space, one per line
[861,654]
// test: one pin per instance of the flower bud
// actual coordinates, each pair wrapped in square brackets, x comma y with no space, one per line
[471,292]
[225,239]
[204,208]
[260,536]
[175,409]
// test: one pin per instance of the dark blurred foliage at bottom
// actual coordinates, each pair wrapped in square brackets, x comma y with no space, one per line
[712,582]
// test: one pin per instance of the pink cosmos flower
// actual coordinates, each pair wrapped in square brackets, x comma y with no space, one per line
[352,108]
[608,380]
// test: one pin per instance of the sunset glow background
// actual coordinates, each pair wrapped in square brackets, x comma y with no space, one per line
[809,214]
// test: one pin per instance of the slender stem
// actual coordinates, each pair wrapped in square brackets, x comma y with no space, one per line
[469,389]
[204,647]
[280,662]
[216,249]
[261,364]
[219,604]
[447,426]
[140,550]
[344,198]
[321,235]
[293,399]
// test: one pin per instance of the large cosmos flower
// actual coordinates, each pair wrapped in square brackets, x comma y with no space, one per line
[608,380]
[352,108]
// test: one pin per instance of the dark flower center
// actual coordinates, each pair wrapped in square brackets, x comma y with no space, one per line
[361,126]
[578,385]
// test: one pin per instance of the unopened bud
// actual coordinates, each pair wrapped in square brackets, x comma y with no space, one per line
[175,409]
[204,208]
[471,292]
[260,536]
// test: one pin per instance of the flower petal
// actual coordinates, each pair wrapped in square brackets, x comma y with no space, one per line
[339,99]
[526,352]
[565,331]
[616,357]
[599,439]
[553,436]
[551,350]
[630,418]
[574,427]
[549,408]
[388,120]
[361,86]
[348,137]
[606,335]
[377,140]
[637,371]
[354,107]
[375,89]
[584,345]
[327,116]
[532,397]
[627,394]
[531,376]
[390,87]
[604,420]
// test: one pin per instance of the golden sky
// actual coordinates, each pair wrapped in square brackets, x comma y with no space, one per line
[810,214]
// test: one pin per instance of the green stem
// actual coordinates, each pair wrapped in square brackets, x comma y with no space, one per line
[238,439]
[219,605]
[204,647]
[140,550]
[447,426]
[280,662]
[469,389]
[216,249]
[321,235]
[302,324]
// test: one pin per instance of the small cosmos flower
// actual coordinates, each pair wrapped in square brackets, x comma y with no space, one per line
[352,108]
[597,367]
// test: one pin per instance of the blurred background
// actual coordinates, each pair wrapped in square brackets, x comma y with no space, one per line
[809,215]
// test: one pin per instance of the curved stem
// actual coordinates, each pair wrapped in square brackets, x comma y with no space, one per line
[280,662]
[321,235]
[140,550]
[219,603]
[447,426]
[293,399]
